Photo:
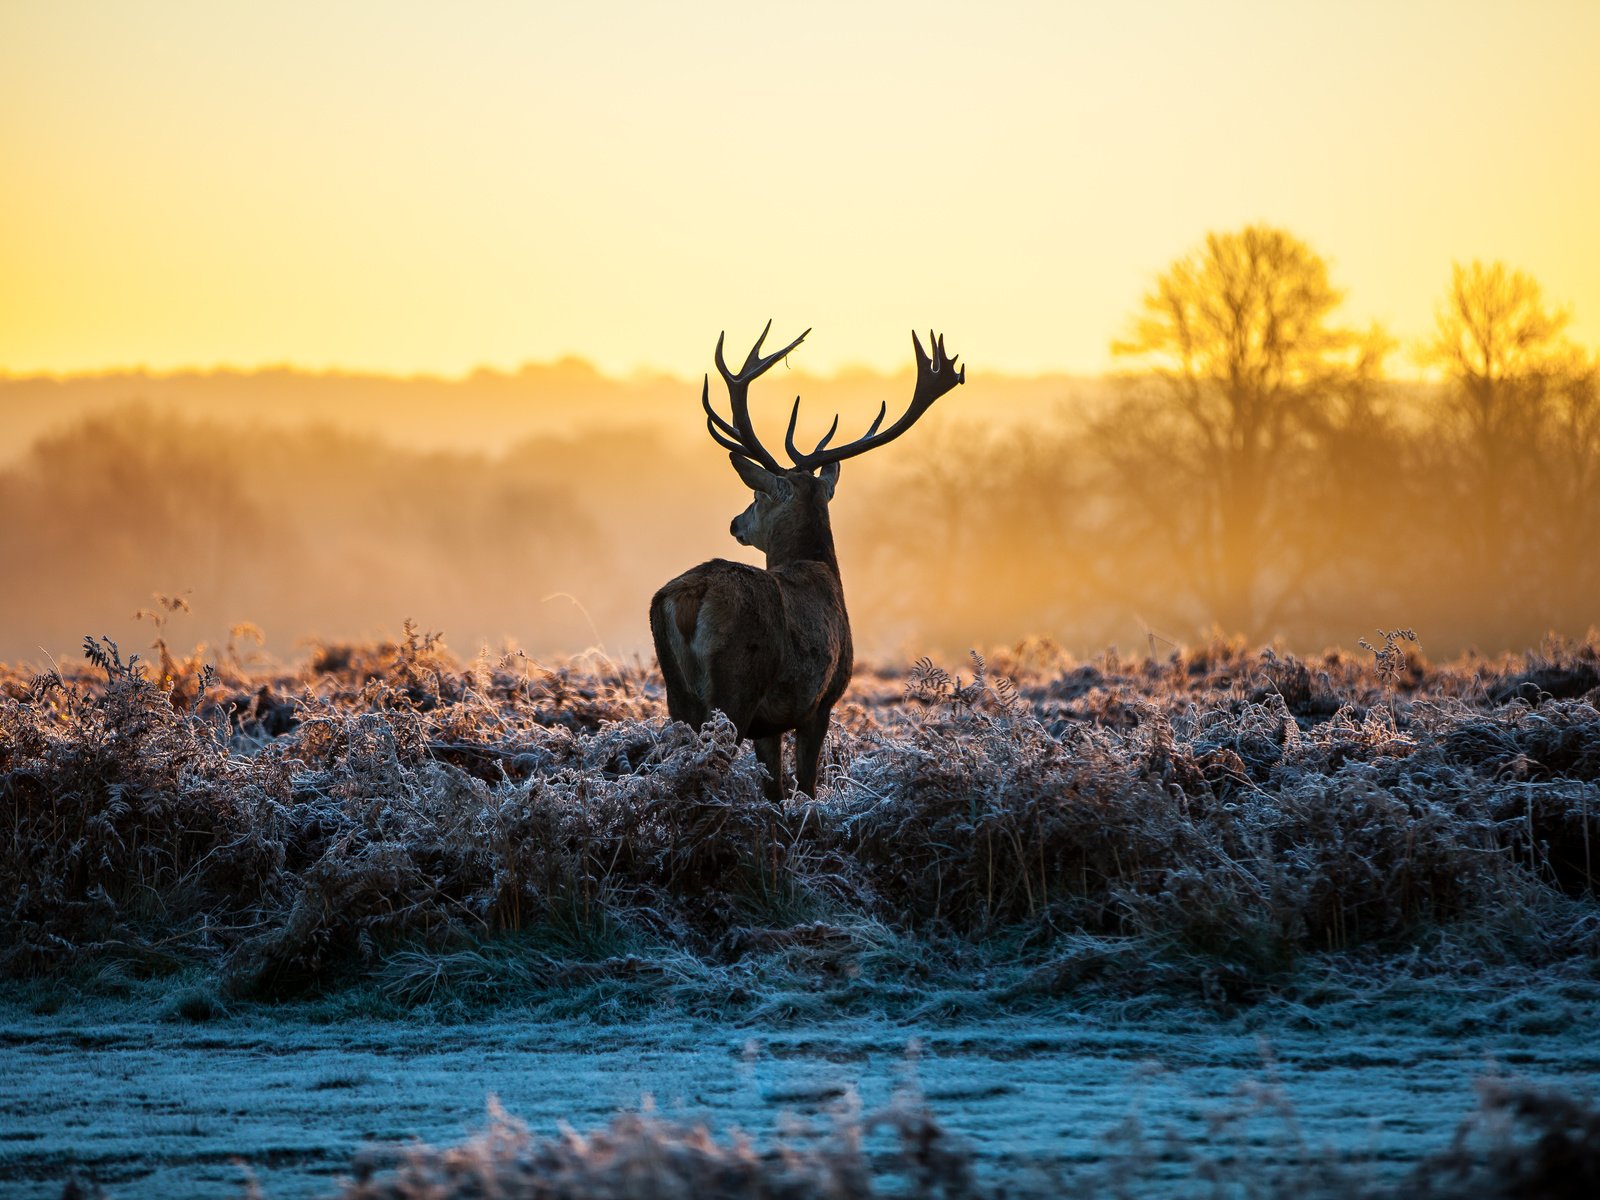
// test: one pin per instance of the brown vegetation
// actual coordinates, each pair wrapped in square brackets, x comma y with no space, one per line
[1204,821]
[1522,1141]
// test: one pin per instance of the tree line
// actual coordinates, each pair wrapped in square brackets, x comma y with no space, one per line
[1260,468]
[1259,471]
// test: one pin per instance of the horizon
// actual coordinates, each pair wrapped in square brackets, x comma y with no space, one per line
[574,363]
[1400,367]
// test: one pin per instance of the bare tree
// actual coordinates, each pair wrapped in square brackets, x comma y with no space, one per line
[1573,481]
[1241,366]
[1521,423]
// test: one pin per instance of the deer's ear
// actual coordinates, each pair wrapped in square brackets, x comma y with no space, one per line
[756,477]
[830,477]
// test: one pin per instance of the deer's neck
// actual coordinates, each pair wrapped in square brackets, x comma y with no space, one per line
[810,540]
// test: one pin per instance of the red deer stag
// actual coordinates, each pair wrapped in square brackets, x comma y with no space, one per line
[771,648]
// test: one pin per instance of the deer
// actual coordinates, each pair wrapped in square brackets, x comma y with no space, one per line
[770,647]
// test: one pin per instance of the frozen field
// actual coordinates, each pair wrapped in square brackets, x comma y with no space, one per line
[158,1110]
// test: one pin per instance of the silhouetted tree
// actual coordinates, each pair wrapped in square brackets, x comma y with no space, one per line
[1243,369]
[1572,480]
[1521,423]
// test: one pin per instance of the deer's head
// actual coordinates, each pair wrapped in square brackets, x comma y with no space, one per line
[791,503]
[784,501]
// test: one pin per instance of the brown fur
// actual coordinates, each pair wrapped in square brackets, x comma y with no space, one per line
[686,608]
[770,648]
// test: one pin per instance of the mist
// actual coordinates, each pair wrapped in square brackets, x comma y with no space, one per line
[1021,510]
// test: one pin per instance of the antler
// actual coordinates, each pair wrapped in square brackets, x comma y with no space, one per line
[739,436]
[936,375]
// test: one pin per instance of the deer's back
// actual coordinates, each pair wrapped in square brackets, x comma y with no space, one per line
[767,647]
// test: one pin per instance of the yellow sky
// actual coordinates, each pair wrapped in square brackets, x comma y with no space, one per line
[430,187]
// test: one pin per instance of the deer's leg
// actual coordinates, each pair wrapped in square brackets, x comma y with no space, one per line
[682,703]
[808,740]
[769,752]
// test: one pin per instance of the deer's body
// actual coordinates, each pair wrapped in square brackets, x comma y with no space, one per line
[784,667]
[771,647]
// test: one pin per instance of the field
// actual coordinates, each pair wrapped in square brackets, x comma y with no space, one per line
[1311,890]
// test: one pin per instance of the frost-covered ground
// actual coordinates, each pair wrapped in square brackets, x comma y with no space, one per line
[164,1110]
[276,914]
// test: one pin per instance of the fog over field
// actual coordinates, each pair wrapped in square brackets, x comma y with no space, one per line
[542,509]
[539,509]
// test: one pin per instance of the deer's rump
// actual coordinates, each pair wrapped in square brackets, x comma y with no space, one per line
[765,647]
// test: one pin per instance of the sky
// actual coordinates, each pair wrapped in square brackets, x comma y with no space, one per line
[429,188]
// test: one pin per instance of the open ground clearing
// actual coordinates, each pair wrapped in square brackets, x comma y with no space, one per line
[170,1111]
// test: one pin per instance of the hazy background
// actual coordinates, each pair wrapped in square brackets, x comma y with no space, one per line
[271,279]
[540,508]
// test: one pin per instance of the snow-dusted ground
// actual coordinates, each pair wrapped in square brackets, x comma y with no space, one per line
[167,1111]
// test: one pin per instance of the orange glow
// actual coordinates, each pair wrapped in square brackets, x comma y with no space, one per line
[418,188]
